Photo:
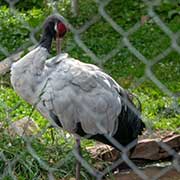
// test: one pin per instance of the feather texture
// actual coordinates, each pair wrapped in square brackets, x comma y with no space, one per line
[81,93]
[77,96]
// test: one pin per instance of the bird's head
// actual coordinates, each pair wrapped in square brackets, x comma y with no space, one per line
[56,28]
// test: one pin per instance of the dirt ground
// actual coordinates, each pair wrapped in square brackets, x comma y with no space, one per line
[150,173]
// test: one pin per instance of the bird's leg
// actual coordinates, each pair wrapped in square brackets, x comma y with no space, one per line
[78,164]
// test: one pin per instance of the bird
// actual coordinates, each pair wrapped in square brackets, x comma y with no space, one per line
[79,97]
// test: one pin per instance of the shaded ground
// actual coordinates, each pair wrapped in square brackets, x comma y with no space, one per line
[151,172]
[153,168]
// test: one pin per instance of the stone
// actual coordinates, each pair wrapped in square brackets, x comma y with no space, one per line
[149,149]
[173,141]
[146,149]
[25,126]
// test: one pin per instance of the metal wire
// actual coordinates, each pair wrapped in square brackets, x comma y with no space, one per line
[124,41]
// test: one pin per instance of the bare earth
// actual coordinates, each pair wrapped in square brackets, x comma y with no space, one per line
[151,173]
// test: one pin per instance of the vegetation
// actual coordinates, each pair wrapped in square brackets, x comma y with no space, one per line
[160,111]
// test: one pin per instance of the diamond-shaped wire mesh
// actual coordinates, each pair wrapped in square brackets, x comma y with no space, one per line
[137,31]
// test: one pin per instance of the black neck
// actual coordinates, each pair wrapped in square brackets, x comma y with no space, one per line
[46,41]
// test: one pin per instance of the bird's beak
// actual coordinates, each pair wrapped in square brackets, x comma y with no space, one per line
[58,44]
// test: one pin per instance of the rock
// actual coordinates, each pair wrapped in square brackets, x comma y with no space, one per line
[173,141]
[25,126]
[146,149]
[149,149]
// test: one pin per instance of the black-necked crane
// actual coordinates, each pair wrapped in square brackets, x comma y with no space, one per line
[76,96]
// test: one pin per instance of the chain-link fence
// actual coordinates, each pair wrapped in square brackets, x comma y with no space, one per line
[48,153]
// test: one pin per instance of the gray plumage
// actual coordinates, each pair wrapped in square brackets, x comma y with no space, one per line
[76,96]
[72,90]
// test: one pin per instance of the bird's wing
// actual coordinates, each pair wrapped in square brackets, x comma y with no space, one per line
[82,93]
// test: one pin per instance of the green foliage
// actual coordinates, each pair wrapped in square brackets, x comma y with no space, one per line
[124,64]
[15,27]
[150,40]
[169,11]
[171,66]
[101,38]
[27,166]
[124,67]
[126,13]
[158,108]
[12,107]
[106,38]
[167,7]
[87,10]
[53,154]
[25,4]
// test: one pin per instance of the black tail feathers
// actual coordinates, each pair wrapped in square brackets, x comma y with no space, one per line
[134,114]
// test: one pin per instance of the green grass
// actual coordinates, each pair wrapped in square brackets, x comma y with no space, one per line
[14,108]
[159,110]
[171,66]
[150,47]
[56,155]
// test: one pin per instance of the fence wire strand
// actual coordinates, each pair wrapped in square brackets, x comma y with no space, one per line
[124,41]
